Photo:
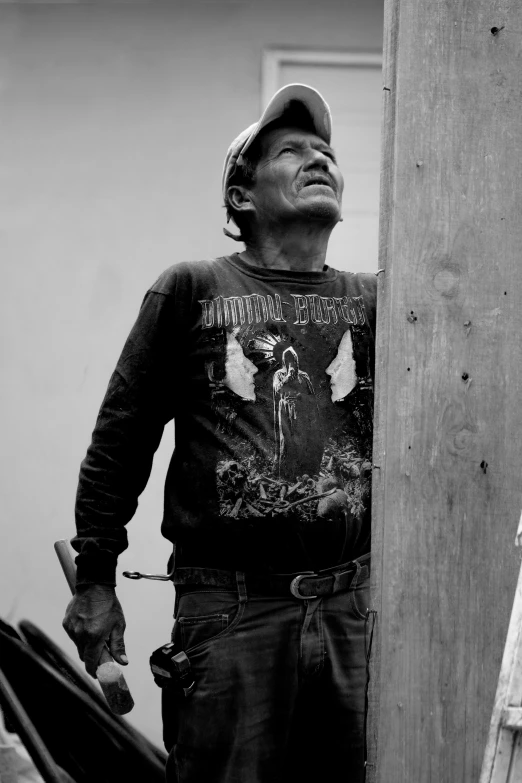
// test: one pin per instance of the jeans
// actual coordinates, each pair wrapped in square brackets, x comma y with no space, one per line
[280,687]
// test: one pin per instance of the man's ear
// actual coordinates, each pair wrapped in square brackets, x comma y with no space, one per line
[239,198]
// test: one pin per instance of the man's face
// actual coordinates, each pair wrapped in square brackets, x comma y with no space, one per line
[343,377]
[239,370]
[296,176]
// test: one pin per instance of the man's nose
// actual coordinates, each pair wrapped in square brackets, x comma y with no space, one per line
[317,159]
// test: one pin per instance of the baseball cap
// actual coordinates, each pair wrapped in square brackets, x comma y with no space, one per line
[313,101]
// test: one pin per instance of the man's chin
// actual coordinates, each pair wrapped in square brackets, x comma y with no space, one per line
[320,198]
[323,210]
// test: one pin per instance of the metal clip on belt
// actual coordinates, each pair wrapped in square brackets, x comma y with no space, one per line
[157,577]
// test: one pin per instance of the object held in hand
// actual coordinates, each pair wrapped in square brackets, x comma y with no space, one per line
[108,673]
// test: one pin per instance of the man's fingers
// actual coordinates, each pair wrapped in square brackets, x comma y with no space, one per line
[73,636]
[93,617]
[117,645]
[90,655]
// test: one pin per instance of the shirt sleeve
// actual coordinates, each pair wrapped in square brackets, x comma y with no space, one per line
[138,403]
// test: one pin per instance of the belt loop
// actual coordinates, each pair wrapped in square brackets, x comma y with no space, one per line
[355,580]
[241,587]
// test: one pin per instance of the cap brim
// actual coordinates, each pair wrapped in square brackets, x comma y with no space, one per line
[312,99]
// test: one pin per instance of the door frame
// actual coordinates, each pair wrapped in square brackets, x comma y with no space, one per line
[274,58]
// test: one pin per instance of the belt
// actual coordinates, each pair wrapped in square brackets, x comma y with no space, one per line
[306,585]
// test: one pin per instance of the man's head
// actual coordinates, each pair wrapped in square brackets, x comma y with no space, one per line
[282,168]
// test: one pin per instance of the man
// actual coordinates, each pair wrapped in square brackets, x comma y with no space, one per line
[267,495]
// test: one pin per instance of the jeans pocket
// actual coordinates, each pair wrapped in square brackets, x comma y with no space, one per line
[360,599]
[203,616]
[195,630]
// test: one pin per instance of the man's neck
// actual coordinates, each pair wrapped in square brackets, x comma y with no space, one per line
[300,249]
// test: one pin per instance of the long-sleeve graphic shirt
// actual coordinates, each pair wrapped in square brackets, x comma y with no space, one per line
[268,376]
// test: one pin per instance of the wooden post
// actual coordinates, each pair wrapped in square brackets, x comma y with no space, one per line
[448,449]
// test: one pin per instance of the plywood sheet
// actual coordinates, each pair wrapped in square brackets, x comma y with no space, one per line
[448,452]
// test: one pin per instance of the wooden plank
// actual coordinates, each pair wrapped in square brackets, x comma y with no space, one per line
[512,718]
[447,492]
[382,361]
[502,760]
[515,773]
[500,742]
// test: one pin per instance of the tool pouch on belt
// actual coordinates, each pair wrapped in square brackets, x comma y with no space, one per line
[172,670]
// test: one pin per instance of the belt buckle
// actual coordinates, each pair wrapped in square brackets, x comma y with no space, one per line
[294,586]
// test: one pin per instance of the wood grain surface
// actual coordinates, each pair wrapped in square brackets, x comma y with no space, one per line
[448,445]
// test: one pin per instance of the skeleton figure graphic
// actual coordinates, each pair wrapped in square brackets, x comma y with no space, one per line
[297,434]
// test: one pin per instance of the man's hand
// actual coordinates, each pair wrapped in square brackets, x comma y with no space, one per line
[95,617]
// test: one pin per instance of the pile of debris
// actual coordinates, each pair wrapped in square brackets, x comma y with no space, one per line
[246,492]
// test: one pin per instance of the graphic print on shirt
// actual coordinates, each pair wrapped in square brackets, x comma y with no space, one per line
[239,371]
[343,377]
[295,414]
[299,372]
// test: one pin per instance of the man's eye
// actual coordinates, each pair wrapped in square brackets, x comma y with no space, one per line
[287,149]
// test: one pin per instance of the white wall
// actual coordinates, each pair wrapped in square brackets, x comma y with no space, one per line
[114,121]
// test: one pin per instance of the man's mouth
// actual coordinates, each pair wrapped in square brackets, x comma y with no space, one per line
[318,181]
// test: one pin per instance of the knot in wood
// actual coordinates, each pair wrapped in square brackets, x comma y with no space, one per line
[463,439]
[446,280]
